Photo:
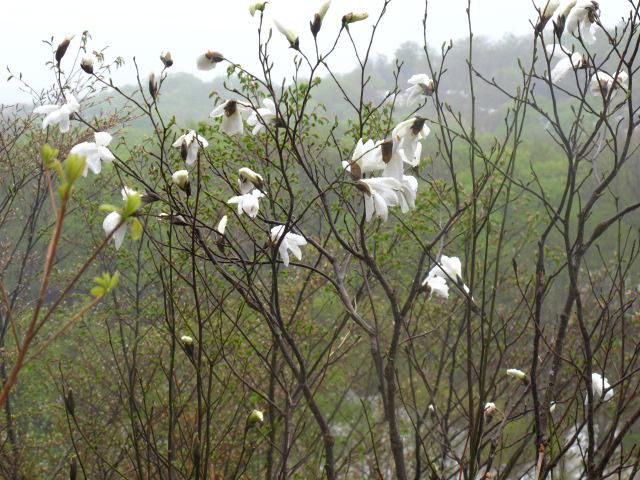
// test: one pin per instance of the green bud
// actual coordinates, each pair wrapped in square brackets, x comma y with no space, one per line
[48,155]
[134,199]
[73,168]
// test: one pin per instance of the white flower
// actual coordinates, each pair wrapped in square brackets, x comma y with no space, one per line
[189,144]
[552,407]
[126,192]
[448,268]
[186,339]
[232,112]
[222,225]
[571,61]
[353,17]
[248,203]
[490,410]
[408,193]
[291,241]
[209,60]
[437,285]
[292,37]
[421,86]
[95,152]
[599,385]
[248,180]
[515,373]
[263,116]
[547,8]
[379,194]
[407,135]
[602,83]
[110,223]
[181,179]
[366,158]
[581,19]
[58,114]
[255,417]
[86,64]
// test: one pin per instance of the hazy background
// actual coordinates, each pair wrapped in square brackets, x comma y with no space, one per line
[144,29]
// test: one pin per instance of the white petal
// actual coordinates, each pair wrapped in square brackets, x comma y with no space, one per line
[102,138]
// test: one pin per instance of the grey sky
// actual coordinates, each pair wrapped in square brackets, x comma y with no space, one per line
[187,28]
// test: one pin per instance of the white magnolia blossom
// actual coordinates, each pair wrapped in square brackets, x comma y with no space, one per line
[232,112]
[222,225]
[248,203]
[581,19]
[181,179]
[256,7]
[263,116]
[421,86]
[248,180]
[448,268]
[490,410]
[407,146]
[95,152]
[291,241]
[569,61]
[437,285]
[547,9]
[209,60]
[125,192]
[59,114]
[366,158]
[110,223]
[408,193]
[515,373]
[189,145]
[379,194]
[602,83]
[291,36]
[599,384]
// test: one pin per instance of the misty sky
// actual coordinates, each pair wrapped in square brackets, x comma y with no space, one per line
[190,27]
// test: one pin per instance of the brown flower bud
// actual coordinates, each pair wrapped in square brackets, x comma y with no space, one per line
[166,59]
[62,48]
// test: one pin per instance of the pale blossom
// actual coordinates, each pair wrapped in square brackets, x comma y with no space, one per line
[209,60]
[248,203]
[263,116]
[570,61]
[291,241]
[59,114]
[189,145]
[232,113]
[421,86]
[599,384]
[248,180]
[291,36]
[109,225]
[437,285]
[519,374]
[181,179]
[365,159]
[222,225]
[379,194]
[95,152]
[602,83]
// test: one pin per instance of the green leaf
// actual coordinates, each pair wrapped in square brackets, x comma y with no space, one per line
[48,154]
[74,167]
[114,280]
[107,207]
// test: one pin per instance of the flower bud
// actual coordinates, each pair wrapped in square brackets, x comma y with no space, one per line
[149,197]
[489,411]
[519,374]
[181,179]
[153,85]
[69,403]
[352,17]
[248,176]
[74,167]
[222,225]
[187,343]
[73,469]
[86,64]
[209,60]
[432,410]
[291,36]
[316,24]
[257,7]
[255,417]
[166,59]
[62,48]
